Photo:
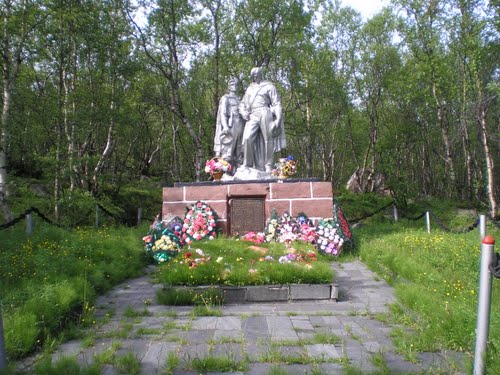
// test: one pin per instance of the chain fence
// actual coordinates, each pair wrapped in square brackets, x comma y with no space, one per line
[42,216]
[494,220]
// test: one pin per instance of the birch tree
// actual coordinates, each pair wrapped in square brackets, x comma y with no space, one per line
[19,20]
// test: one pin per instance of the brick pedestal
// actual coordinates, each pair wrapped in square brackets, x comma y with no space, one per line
[312,197]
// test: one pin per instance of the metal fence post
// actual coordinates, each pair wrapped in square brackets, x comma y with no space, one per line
[428,221]
[482,226]
[484,304]
[139,216]
[395,212]
[29,224]
[97,216]
[3,356]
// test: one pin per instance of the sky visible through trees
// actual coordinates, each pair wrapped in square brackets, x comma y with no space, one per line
[94,98]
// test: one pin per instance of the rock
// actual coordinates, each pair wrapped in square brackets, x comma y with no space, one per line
[366,181]
[40,190]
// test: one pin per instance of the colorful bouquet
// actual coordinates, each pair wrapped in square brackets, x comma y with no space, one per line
[167,242]
[255,237]
[217,165]
[285,167]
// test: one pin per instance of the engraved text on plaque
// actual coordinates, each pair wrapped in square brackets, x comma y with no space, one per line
[247,215]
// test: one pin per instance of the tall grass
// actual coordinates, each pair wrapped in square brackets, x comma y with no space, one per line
[436,280]
[49,280]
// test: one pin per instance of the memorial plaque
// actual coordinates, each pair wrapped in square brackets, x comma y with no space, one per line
[247,215]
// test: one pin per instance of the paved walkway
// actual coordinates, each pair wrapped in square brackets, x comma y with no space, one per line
[295,337]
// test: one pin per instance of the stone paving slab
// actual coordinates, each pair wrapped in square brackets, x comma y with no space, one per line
[256,332]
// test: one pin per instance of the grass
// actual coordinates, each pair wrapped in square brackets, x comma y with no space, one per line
[131,313]
[49,282]
[435,277]
[171,363]
[50,279]
[181,297]
[216,363]
[66,365]
[228,262]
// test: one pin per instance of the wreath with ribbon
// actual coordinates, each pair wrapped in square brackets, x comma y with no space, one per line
[161,243]
[334,235]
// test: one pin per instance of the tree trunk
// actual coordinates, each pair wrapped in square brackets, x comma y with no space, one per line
[490,165]
[107,149]
[449,164]
[309,146]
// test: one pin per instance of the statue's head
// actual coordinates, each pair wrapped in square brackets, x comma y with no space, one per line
[256,74]
[232,84]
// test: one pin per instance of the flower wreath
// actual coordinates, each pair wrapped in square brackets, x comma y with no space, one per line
[338,215]
[199,223]
[272,225]
[307,231]
[334,235]
[175,227]
[328,237]
[161,243]
[288,229]
[166,247]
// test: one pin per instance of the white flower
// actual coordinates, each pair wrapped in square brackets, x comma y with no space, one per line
[200,252]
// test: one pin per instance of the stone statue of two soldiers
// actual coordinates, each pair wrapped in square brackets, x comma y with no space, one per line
[250,131]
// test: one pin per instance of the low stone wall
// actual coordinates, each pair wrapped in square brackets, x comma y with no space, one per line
[309,196]
[269,293]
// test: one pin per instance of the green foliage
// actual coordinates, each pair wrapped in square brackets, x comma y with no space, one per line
[357,206]
[128,364]
[21,332]
[180,297]
[229,262]
[218,364]
[435,277]
[66,365]
[145,194]
[49,280]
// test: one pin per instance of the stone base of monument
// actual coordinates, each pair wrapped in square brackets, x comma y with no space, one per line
[245,206]
[269,293]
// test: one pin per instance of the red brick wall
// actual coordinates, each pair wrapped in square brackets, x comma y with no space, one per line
[314,198]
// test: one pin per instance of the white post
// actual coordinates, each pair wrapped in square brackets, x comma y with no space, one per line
[395,212]
[29,224]
[96,216]
[484,304]
[482,226]
[428,221]
[139,216]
